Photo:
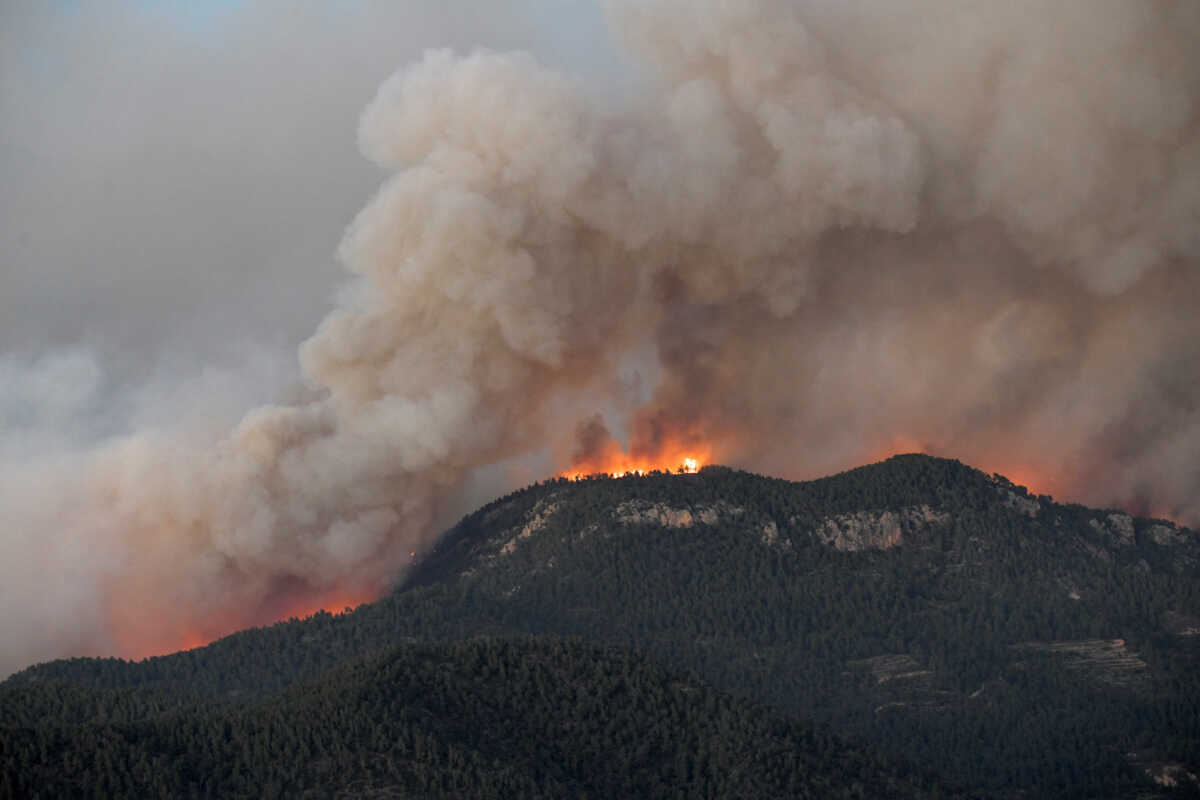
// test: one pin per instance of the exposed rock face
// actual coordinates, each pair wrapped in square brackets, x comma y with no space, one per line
[1114,532]
[1183,543]
[1171,775]
[539,516]
[1166,535]
[1163,771]
[861,530]
[1026,505]
[875,530]
[644,512]
[655,514]
[1118,528]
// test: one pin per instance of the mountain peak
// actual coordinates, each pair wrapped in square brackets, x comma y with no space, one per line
[917,603]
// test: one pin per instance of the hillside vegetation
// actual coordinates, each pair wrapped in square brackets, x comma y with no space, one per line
[945,617]
[483,718]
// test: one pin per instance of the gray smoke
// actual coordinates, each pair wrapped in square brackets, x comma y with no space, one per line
[829,230]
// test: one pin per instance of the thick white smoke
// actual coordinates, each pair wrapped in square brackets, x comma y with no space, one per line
[840,228]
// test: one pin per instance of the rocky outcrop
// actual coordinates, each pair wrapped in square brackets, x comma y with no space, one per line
[875,530]
[1166,535]
[1170,775]
[539,517]
[634,512]
[1117,528]
[1024,504]
[643,512]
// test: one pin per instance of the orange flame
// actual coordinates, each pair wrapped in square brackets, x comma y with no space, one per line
[1032,479]
[138,635]
[616,462]
[1037,480]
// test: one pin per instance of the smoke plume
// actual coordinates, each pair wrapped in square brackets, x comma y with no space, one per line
[822,232]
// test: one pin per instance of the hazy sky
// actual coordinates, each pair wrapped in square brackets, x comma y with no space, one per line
[798,235]
[175,176]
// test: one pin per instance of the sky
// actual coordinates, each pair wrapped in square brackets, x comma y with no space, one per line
[177,177]
[171,168]
[285,287]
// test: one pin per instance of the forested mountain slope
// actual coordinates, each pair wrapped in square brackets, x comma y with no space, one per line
[1015,645]
[483,718]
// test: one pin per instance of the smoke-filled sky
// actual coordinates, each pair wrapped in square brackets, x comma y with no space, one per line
[281,289]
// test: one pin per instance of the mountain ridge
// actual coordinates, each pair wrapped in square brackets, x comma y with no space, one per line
[917,603]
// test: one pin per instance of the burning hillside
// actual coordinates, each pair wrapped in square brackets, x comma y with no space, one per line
[818,233]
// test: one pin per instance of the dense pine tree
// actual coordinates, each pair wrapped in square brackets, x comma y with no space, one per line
[939,650]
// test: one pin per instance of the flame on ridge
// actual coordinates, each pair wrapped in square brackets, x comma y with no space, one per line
[616,463]
[1036,480]
[142,640]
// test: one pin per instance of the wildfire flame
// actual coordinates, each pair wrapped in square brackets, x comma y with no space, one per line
[1037,480]
[616,463]
[138,638]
